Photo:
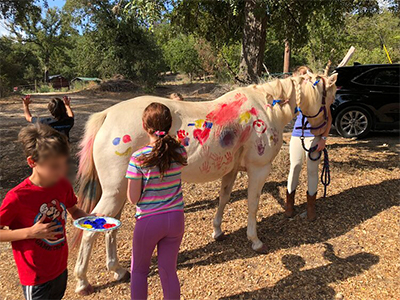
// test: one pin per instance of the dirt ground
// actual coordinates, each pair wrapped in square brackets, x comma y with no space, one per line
[350,252]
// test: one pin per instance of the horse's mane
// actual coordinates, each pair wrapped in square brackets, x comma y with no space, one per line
[277,89]
[282,89]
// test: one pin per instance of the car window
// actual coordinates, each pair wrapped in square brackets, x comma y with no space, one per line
[366,78]
[379,76]
[387,77]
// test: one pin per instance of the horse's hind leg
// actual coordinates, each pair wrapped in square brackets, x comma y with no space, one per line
[110,204]
[226,188]
[112,257]
[82,286]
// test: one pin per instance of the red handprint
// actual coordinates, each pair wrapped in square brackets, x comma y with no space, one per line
[205,167]
[183,137]
[217,160]
[228,157]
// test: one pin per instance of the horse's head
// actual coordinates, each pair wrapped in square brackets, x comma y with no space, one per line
[314,95]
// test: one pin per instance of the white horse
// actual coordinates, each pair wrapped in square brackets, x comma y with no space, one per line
[243,128]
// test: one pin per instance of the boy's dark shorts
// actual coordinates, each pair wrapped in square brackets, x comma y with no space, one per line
[53,289]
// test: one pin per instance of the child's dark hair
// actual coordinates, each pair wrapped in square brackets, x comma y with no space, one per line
[41,141]
[57,109]
[157,121]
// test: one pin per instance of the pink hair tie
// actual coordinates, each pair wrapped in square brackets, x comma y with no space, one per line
[160,133]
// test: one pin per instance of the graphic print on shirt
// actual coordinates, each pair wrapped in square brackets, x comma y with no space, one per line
[56,212]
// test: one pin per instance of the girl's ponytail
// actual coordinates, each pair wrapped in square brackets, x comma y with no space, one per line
[157,121]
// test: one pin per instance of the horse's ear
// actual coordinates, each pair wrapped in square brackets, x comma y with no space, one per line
[332,80]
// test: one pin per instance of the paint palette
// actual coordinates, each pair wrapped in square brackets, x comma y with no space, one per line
[99,224]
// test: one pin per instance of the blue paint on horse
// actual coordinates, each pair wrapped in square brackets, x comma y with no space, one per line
[116,141]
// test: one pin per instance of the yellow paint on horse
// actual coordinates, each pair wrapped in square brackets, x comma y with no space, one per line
[125,153]
[245,117]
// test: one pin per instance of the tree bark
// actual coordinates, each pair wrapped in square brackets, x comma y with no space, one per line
[286,58]
[253,41]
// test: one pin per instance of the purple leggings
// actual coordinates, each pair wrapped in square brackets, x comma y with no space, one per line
[164,231]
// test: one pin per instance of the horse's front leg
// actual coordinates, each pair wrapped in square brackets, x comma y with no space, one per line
[226,188]
[257,176]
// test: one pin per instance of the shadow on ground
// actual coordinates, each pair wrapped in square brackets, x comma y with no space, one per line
[271,187]
[312,283]
[338,214]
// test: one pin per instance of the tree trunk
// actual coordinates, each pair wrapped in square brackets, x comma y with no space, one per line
[46,75]
[253,41]
[286,59]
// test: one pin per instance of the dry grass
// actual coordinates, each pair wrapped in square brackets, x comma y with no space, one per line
[352,250]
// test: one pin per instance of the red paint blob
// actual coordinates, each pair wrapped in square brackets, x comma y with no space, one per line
[126,138]
[228,112]
[106,226]
[201,135]
[259,126]
[253,111]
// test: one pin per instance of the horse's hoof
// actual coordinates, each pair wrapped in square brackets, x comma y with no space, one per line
[262,250]
[220,237]
[311,219]
[86,291]
[289,215]
[126,277]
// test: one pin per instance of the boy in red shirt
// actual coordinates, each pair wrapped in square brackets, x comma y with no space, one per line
[35,212]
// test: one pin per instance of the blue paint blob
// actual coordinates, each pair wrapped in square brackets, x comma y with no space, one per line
[116,141]
[97,223]
[208,125]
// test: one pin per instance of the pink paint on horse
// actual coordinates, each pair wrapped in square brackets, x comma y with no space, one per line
[227,113]
[253,111]
[85,154]
[244,136]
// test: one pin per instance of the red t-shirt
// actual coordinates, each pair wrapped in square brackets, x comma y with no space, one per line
[38,261]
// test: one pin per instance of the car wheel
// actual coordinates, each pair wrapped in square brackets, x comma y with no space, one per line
[353,122]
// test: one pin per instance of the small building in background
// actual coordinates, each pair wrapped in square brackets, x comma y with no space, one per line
[58,81]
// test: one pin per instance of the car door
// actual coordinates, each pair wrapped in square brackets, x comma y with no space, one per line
[382,88]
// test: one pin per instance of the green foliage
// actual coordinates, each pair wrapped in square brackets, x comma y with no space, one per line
[112,44]
[181,55]
[48,37]
[17,9]
[365,33]
[228,62]
[18,65]
[141,38]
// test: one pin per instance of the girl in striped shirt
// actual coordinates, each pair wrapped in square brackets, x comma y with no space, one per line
[154,175]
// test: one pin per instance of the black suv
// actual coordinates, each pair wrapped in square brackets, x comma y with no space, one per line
[368,98]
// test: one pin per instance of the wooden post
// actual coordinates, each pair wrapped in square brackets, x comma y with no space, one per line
[286,58]
[346,59]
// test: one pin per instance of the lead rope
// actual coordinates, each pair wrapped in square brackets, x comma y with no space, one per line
[326,172]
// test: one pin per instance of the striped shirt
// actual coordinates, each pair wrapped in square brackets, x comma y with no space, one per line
[158,196]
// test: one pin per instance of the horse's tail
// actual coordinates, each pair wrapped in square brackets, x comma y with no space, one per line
[89,186]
